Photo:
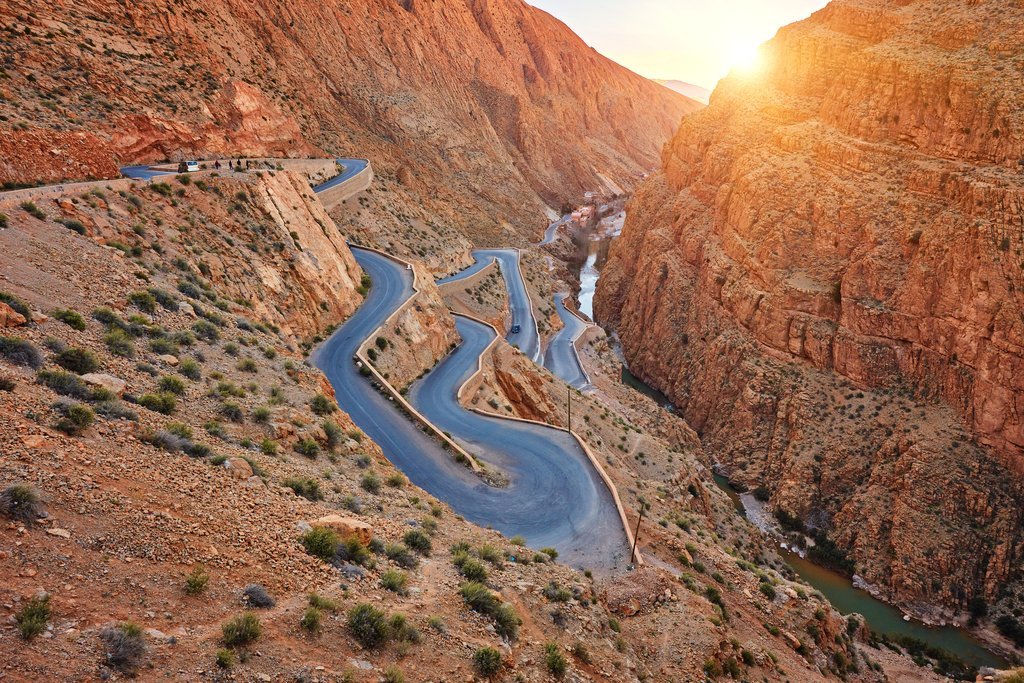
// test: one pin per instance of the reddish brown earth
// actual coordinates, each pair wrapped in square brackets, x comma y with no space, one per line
[495,107]
[826,276]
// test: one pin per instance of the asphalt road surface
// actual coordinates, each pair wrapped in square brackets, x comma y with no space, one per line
[549,234]
[561,357]
[554,496]
[145,172]
[528,338]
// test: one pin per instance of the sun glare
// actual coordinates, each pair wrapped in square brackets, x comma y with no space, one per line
[745,58]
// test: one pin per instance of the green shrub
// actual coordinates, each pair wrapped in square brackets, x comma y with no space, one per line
[247,365]
[370,482]
[368,625]
[72,319]
[395,581]
[4,220]
[322,603]
[768,590]
[307,447]
[489,553]
[195,582]
[119,343]
[261,415]
[160,402]
[396,480]
[242,630]
[73,225]
[33,617]
[76,419]
[312,619]
[19,306]
[20,352]
[307,487]
[21,503]
[171,384]
[268,447]
[33,210]
[418,541]
[164,298]
[321,542]
[144,301]
[124,647]
[321,405]
[230,410]
[401,555]
[206,330]
[482,599]
[352,550]
[393,674]
[487,662]
[81,361]
[550,552]
[190,369]
[225,658]
[333,433]
[473,570]
[64,383]
[556,593]
[555,660]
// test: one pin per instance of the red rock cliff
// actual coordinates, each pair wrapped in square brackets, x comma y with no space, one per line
[492,103]
[827,277]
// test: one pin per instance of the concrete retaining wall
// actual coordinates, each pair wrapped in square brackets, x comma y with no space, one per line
[474,381]
[331,197]
[365,360]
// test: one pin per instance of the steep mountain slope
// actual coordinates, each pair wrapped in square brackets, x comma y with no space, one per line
[827,277]
[492,106]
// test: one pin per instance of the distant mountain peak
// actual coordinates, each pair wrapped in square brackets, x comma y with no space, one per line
[694,92]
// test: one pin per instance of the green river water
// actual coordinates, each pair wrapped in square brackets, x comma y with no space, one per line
[879,616]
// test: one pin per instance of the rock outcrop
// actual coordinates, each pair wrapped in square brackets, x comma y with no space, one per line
[826,276]
[495,105]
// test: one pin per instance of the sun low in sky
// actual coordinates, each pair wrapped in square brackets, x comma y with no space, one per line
[690,40]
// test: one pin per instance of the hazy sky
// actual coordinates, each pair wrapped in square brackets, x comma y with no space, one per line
[690,40]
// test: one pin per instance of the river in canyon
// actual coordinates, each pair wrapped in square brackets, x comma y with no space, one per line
[880,616]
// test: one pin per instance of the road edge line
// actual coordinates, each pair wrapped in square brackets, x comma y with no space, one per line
[609,484]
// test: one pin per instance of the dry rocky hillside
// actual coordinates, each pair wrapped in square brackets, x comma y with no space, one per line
[493,107]
[826,277]
[171,464]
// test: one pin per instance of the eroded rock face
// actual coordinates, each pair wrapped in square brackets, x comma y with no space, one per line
[827,277]
[491,104]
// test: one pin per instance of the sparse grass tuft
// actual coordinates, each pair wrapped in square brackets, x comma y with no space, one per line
[242,630]
[196,581]
[33,617]
[124,647]
[21,503]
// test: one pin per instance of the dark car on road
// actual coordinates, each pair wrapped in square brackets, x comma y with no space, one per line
[516,329]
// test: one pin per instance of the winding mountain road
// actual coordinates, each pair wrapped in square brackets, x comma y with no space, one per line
[519,302]
[352,168]
[554,496]
[561,356]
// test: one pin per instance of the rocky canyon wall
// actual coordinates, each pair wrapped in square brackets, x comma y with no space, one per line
[827,277]
[493,106]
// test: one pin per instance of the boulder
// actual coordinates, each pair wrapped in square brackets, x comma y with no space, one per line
[10,317]
[168,359]
[186,308]
[114,385]
[347,526]
[238,468]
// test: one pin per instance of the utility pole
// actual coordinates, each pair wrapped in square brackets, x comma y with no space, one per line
[636,535]
[569,404]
